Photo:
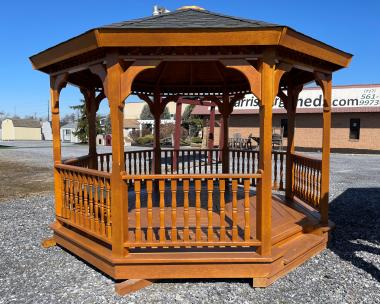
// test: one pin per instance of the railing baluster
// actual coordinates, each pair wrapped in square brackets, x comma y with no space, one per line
[275,180]
[81,202]
[198,210]
[76,198]
[174,209]
[166,161]
[233,162]
[247,227]
[91,201]
[234,210]
[96,203]
[102,209]
[140,162]
[67,194]
[194,154]
[137,189]
[281,171]
[162,209]
[210,190]
[149,188]
[108,209]
[85,187]
[101,162]
[222,189]
[186,210]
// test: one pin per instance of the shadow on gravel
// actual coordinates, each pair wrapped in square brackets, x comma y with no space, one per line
[356,213]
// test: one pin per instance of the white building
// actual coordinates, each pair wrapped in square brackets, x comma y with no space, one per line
[67,133]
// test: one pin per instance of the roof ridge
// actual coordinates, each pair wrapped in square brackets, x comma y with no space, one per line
[252,21]
[182,11]
[137,20]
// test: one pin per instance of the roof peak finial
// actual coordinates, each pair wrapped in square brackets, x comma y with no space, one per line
[191,7]
[158,10]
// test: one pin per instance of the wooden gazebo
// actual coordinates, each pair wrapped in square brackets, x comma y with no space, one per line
[172,213]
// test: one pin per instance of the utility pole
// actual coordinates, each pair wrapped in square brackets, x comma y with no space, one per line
[48,118]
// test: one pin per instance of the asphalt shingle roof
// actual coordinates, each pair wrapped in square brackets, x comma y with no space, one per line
[190,18]
[26,123]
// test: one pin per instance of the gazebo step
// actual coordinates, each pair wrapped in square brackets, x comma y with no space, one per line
[300,246]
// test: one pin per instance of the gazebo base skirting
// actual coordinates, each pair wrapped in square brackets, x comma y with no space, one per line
[191,225]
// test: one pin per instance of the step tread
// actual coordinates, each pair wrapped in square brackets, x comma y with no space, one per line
[299,246]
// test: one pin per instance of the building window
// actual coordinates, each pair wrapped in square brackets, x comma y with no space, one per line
[284,127]
[67,132]
[354,128]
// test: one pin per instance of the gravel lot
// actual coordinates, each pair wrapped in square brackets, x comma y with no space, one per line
[347,272]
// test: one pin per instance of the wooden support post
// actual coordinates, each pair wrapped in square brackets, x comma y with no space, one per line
[264,186]
[225,148]
[119,207]
[91,116]
[291,106]
[117,85]
[56,84]
[156,144]
[211,130]
[221,136]
[325,82]
[177,133]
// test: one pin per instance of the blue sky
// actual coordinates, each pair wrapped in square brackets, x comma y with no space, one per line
[27,27]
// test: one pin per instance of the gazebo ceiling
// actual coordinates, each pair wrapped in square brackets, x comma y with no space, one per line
[189,43]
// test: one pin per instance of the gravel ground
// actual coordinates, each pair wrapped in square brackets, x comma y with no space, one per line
[347,272]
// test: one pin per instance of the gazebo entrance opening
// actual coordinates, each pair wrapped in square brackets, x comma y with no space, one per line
[177,213]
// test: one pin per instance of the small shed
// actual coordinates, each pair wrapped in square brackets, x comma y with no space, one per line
[46,130]
[21,129]
[67,133]
[104,140]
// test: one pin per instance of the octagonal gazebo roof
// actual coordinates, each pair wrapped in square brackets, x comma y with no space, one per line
[189,42]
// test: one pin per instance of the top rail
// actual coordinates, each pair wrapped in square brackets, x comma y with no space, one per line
[83,170]
[190,176]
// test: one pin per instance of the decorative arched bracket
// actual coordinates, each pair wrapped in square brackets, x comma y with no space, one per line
[248,70]
[226,103]
[324,80]
[57,83]
[280,70]
[126,76]
[91,98]
[132,71]
[291,92]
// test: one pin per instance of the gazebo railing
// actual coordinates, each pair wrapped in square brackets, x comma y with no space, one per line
[81,161]
[190,161]
[86,200]
[306,184]
[183,210]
